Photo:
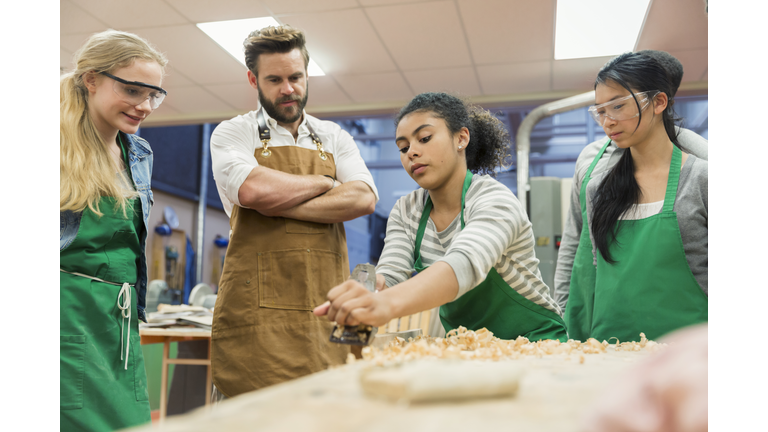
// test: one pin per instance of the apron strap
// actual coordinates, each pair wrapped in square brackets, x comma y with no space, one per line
[587,177]
[125,308]
[673,180]
[425,218]
[265,136]
[467,182]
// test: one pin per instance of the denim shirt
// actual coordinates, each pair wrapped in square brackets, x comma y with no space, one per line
[140,164]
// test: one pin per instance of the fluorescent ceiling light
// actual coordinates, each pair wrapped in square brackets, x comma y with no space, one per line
[596,28]
[231,34]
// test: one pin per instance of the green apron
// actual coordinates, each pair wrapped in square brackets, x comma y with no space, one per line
[103,384]
[493,304]
[581,296]
[650,288]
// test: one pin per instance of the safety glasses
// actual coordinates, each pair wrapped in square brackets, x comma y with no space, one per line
[135,92]
[621,109]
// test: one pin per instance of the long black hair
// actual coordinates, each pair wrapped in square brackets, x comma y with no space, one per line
[619,189]
[489,137]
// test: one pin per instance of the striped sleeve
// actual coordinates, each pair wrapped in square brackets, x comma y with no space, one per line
[396,263]
[497,235]
[493,223]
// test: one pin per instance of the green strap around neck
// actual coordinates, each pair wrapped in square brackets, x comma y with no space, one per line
[673,180]
[428,209]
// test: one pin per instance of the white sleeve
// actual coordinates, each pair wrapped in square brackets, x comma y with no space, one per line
[349,164]
[231,158]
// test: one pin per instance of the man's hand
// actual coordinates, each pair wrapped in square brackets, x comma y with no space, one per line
[351,304]
[271,192]
[340,204]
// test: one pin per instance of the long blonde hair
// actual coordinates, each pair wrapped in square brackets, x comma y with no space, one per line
[86,168]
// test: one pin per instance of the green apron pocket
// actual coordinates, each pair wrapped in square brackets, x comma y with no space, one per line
[139,372]
[297,279]
[72,372]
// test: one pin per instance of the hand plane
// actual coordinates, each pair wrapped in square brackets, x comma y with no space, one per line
[362,334]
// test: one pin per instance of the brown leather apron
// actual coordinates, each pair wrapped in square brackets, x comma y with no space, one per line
[276,271]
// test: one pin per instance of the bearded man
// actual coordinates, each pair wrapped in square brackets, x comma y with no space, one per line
[287,180]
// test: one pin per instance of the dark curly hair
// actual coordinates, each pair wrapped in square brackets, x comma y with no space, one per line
[487,134]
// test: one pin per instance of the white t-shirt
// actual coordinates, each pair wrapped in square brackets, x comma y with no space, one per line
[235,141]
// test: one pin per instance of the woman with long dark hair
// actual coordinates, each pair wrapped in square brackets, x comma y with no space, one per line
[647,215]
[466,234]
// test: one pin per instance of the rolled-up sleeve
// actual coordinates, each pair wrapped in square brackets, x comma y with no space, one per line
[231,160]
[350,166]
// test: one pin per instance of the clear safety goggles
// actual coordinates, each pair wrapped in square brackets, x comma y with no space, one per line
[621,109]
[135,92]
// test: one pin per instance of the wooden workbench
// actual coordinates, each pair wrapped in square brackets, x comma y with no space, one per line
[552,396]
[177,334]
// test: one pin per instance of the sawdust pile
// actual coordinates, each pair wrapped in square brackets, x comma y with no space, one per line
[482,345]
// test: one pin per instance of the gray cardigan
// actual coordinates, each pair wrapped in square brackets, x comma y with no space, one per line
[691,143]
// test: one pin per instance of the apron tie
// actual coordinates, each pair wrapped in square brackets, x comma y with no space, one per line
[125,307]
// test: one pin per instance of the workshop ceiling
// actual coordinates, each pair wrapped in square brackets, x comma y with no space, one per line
[378,54]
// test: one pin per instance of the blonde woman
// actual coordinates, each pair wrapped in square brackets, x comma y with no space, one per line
[105,202]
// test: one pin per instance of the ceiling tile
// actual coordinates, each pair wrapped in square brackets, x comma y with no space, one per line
[694,62]
[195,99]
[380,87]
[516,31]
[174,79]
[241,96]
[675,25]
[198,11]
[196,55]
[136,14]
[66,62]
[422,35]
[297,6]
[388,2]
[73,19]
[73,42]
[343,42]
[576,74]
[323,91]
[458,81]
[514,78]
[163,110]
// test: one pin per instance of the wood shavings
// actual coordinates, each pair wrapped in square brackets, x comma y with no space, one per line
[466,344]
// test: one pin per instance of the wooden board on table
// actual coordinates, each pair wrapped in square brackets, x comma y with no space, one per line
[175,331]
[553,395]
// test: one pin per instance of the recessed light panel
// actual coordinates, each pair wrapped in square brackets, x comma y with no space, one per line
[597,28]
[231,34]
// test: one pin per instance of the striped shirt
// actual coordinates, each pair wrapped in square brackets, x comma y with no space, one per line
[497,234]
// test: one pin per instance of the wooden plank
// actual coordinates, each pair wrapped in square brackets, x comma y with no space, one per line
[188,361]
[190,332]
[553,395]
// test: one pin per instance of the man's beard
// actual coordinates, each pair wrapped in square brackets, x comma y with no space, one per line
[282,115]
